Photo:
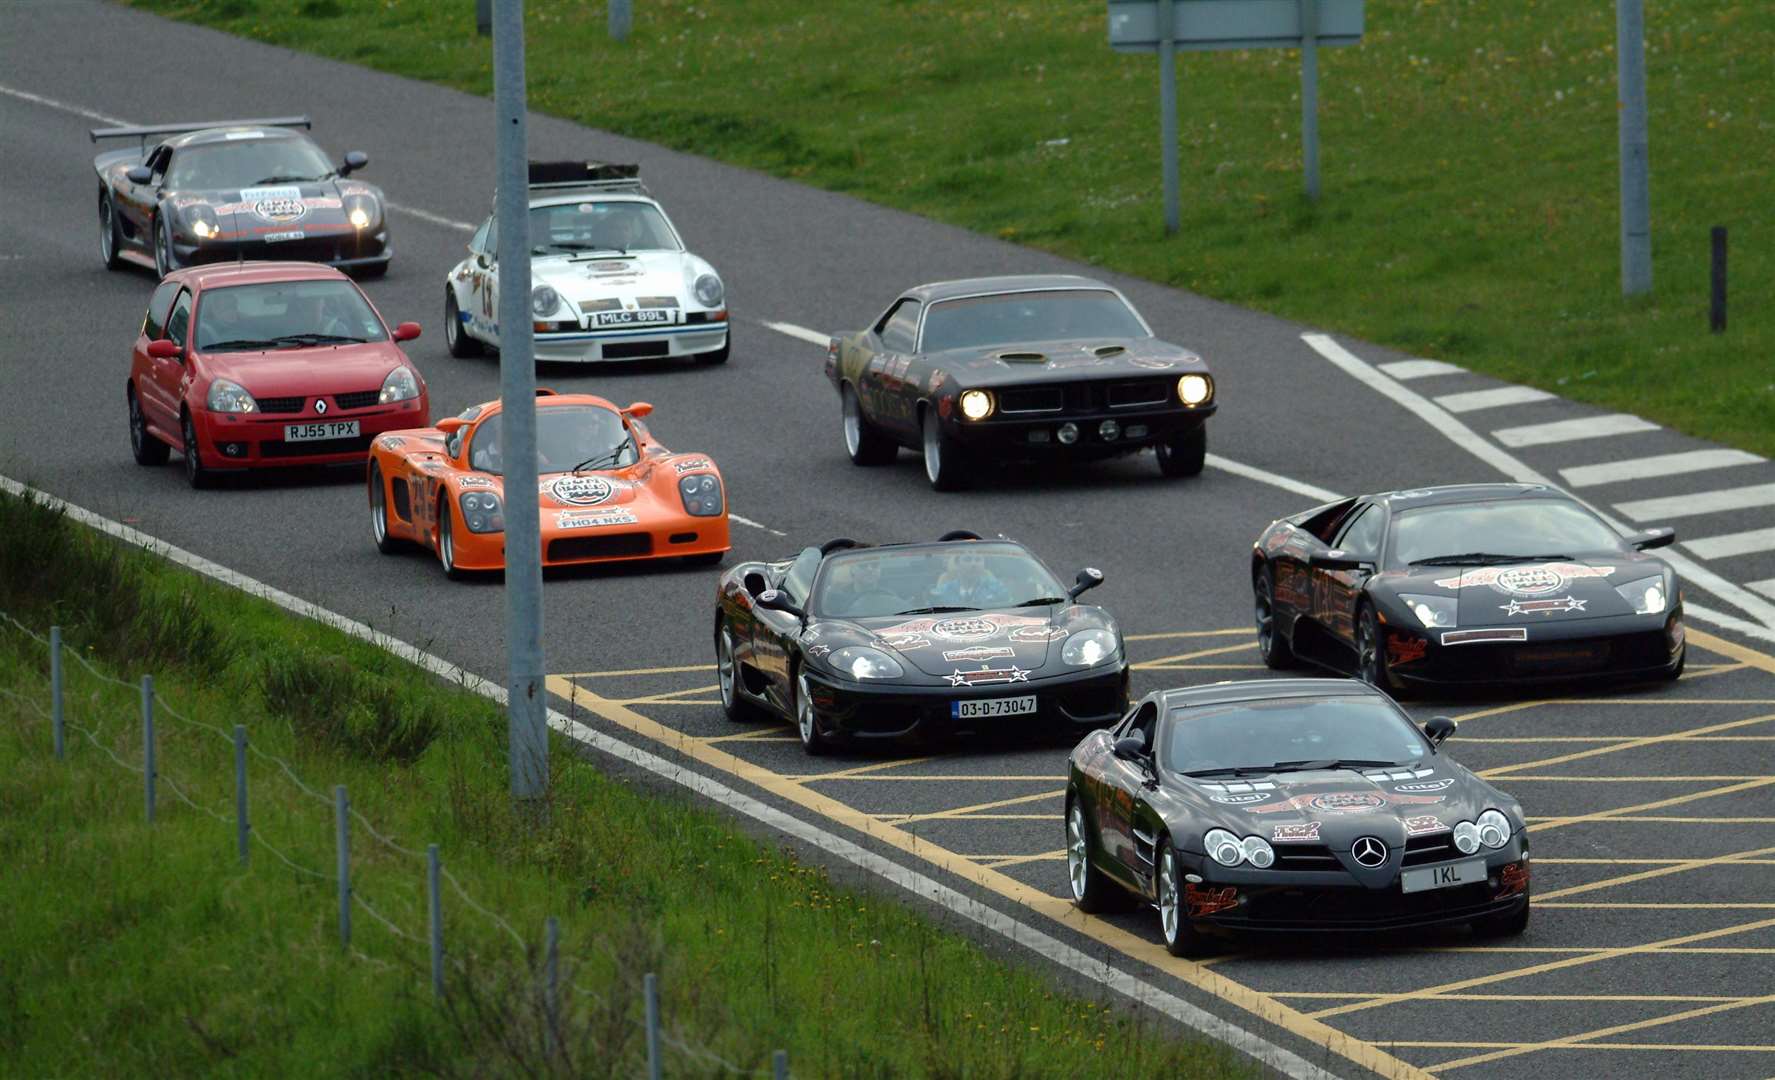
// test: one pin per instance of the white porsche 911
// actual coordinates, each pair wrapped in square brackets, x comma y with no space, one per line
[611,280]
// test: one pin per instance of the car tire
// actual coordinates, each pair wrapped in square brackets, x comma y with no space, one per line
[371,271]
[1371,653]
[807,722]
[147,449]
[1675,671]
[1091,891]
[196,473]
[385,543]
[1502,926]
[942,458]
[863,441]
[164,263]
[727,671]
[447,540]
[456,338]
[1180,934]
[1278,654]
[1185,453]
[110,236]
[718,356]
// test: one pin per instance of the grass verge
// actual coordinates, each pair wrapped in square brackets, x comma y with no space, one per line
[147,949]
[1468,157]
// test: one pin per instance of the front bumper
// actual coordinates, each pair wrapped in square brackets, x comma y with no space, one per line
[1040,436]
[1080,700]
[256,440]
[1621,645]
[633,343]
[345,249]
[668,539]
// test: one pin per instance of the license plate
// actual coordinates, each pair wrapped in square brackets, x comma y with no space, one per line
[647,317]
[1004,706]
[293,234]
[1425,878]
[325,429]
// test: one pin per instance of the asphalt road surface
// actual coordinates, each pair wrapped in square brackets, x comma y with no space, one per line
[1655,849]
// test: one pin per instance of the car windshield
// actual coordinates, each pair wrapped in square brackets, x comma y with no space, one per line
[1290,731]
[957,576]
[588,437]
[1010,318]
[599,226]
[285,315]
[246,162]
[1517,528]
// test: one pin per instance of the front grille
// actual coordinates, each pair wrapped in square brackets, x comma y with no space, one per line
[656,301]
[1305,857]
[1042,399]
[1429,849]
[1088,702]
[1126,395]
[279,448]
[280,404]
[362,399]
[1356,908]
[1560,658]
[636,350]
[571,548]
[697,317]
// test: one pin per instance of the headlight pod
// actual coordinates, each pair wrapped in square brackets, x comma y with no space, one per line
[1467,837]
[701,494]
[1088,647]
[400,385]
[976,404]
[362,211]
[709,290]
[1431,610]
[1223,847]
[481,511]
[201,219]
[1646,596]
[226,395]
[1194,390]
[544,300]
[1494,829]
[863,662]
[1258,852]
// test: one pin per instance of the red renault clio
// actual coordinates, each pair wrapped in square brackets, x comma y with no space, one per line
[265,365]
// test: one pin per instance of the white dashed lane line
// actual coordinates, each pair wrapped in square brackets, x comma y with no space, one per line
[1647,468]
[1701,502]
[812,337]
[1589,427]
[1738,543]
[1474,400]
[1419,369]
[431,218]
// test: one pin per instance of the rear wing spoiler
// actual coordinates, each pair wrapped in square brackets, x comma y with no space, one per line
[173,129]
[563,177]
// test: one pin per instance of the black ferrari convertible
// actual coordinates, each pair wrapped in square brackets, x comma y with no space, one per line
[1290,805]
[857,642]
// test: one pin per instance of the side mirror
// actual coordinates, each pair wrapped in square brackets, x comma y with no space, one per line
[1088,578]
[1653,538]
[1338,560]
[450,425]
[774,600]
[354,160]
[1437,729]
[406,331]
[638,410]
[755,584]
[139,174]
[164,349]
[1130,748]
[482,261]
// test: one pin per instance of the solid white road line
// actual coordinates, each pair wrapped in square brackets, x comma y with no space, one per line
[1590,427]
[1474,400]
[1738,543]
[435,219]
[812,337]
[924,887]
[1467,439]
[1701,502]
[1767,588]
[731,516]
[1646,468]
[38,99]
[1418,369]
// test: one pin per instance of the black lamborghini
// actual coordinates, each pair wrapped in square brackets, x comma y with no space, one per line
[1290,805]
[1466,584]
[858,642]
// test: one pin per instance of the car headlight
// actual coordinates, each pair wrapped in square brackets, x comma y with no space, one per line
[362,211]
[1258,852]
[400,385]
[481,511]
[201,219]
[228,396]
[1088,647]
[863,662]
[1194,389]
[1494,829]
[1646,595]
[701,494]
[1466,838]
[1431,610]
[709,290]
[544,301]
[976,404]
[1223,847]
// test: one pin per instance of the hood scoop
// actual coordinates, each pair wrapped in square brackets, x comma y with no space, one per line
[1023,357]
[1109,350]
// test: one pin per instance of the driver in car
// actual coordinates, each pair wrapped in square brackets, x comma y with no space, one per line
[967,583]
[857,590]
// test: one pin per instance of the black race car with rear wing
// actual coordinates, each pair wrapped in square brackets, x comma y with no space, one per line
[855,642]
[235,189]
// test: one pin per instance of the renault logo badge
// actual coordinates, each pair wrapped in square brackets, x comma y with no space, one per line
[1369,852]
[320,405]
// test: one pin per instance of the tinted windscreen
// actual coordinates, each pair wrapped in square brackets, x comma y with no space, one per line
[1010,318]
[958,576]
[599,226]
[587,436]
[284,315]
[1260,733]
[240,163]
[1522,527]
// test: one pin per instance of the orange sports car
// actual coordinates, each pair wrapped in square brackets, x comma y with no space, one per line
[607,491]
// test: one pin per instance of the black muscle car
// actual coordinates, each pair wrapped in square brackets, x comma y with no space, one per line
[858,642]
[1290,804]
[235,189]
[1470,583]
[1033,367]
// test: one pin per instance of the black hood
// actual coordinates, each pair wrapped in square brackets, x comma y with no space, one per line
[1067,361]
[966,648]
[1334,807]
[1528,593]
[295,204]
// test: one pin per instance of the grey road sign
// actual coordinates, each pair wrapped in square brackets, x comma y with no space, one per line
[1136,25]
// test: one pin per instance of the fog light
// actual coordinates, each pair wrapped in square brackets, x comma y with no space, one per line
[233,449]
[1108,430]
[1068,433]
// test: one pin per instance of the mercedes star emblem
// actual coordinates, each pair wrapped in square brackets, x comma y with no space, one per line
[1369,852]
[320,405]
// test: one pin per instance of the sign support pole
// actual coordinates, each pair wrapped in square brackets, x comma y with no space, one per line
[1309,94]
[1636,199]
[1168,114]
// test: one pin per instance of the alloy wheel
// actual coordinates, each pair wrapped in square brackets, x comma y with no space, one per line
[853,423]
[724,666]
[1168,914]
[804,713]
[1077,865]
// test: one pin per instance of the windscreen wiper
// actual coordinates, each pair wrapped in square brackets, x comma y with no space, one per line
[1232,770]
[237,343]
[933,610]
[1042,601]
[318,339]
[1475,557]
[1331,763]
[609,457]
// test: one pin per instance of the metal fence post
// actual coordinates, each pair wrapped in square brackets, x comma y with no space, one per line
[551,983]
[1309,94]
[148,744]
[779,1065]
[1636,199]
[484,17]
[1716,321]
[240,793]
[341,821]
[55,689]
[619,20]
[650,990]
[1168,114]
[435,904]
